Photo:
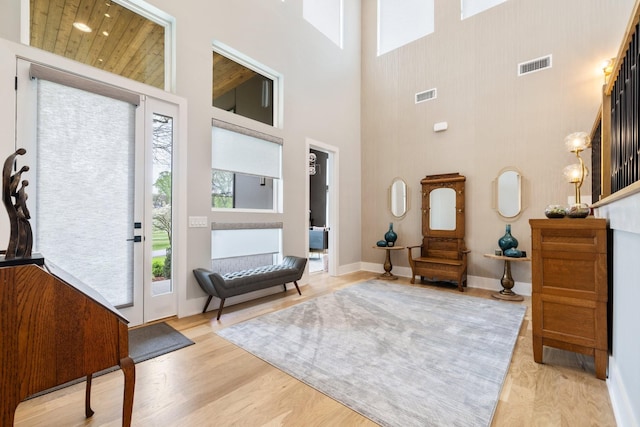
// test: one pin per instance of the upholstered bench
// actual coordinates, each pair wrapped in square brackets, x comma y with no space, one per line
[241,282]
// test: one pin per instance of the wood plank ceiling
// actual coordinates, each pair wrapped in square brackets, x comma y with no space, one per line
[120,41]
[228,74]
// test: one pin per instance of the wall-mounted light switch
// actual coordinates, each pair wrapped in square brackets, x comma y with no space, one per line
[197,222]
[441,126]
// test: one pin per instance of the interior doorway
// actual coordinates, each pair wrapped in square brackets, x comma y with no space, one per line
[322,208]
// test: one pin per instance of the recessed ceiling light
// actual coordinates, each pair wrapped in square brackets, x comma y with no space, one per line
[82,27]
[107,15]
[106,34]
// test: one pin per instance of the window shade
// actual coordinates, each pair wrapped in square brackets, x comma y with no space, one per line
[243,242]
[72,80]
[84,187]
[240,152]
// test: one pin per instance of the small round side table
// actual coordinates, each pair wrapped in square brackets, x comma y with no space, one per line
[387,275]
[507,281]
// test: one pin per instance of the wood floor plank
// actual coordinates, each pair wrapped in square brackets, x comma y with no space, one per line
[215,383]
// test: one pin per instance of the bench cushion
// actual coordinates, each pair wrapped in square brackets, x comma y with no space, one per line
[241,282]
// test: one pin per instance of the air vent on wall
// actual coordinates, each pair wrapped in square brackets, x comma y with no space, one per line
[427,95]
[534,65]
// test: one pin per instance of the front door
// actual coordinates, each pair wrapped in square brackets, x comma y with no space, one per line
[90,191]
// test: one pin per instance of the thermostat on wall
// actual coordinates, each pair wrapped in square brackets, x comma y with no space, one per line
[439,127]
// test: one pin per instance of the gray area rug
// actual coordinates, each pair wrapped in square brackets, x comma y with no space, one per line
[145,343]
[397,354]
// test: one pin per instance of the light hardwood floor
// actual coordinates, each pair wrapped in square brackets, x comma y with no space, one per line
[215,383]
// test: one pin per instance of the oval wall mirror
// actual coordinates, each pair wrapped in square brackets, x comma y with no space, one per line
[509,193]
[442,209]
[398,198]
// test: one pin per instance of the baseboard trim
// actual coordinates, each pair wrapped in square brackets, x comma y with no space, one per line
[489,283]
[622,408]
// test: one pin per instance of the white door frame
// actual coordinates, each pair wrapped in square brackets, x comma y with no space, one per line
[11,51]
[26,136]
[332,199]
[165,305]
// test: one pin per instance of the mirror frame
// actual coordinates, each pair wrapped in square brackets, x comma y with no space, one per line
[395,181]
[496,193]
[433,182]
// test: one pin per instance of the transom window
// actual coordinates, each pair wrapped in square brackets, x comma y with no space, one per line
[400,23]
[468,8]
[129,39]
[244,87]
[326,17]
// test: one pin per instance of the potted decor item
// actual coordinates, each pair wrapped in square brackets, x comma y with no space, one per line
[390,236]
[507,241]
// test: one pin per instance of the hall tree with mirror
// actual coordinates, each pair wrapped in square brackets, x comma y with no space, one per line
[442,255]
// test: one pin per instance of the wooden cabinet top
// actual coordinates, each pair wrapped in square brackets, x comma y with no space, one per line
[576,235]
[569,223]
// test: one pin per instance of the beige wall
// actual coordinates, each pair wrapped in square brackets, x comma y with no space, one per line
[495,118]
[321,102]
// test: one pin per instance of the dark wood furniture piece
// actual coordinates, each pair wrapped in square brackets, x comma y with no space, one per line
[570,287]
[443,254]
[388,275]
[507,281]
[54,329]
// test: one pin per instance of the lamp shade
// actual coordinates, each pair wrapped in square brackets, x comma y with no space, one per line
[577,141]
[575,173]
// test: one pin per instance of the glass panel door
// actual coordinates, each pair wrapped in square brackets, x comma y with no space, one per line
[100,191]
[86,187]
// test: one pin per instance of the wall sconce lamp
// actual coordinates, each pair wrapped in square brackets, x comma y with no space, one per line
[576,173]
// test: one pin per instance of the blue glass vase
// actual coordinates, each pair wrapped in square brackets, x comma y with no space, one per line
[507,241]
[390,236]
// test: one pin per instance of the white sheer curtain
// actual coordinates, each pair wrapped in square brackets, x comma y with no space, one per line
[85,187]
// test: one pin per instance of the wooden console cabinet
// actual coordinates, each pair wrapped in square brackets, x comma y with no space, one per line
[54,329]
[570,287]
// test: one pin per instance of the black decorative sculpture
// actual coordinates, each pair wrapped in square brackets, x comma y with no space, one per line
[15,201]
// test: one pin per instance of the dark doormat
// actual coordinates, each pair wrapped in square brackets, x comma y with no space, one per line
[155,340]
[145,342]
